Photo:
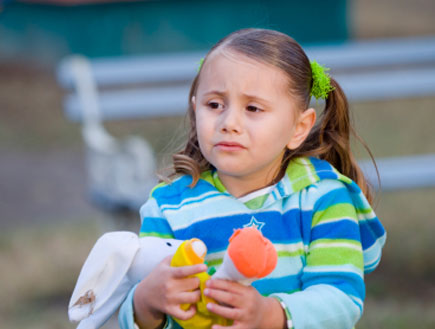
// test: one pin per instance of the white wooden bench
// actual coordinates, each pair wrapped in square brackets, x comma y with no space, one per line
[121,172]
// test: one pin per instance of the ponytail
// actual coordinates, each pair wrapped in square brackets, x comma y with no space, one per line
[330,139]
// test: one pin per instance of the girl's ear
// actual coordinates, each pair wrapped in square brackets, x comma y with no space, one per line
[305,122]
[193,100]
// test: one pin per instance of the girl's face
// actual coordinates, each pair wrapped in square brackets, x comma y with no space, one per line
[245,119]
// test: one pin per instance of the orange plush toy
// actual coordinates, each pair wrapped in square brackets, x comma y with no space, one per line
[249,257]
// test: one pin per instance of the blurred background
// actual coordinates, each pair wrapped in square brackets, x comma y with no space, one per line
[48,222]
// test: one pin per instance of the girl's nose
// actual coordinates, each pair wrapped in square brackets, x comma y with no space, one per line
[231,121]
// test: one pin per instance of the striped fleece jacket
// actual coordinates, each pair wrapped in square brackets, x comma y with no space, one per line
[324,230]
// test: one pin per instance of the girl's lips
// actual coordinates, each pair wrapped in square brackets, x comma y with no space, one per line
[229,146]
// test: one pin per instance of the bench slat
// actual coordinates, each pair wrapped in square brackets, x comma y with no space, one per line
[405,172]
[182,66]
[380,85]
[136,70]
[136,103]
[145,103]
[374,53]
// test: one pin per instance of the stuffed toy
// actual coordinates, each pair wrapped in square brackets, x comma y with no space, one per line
[119,260]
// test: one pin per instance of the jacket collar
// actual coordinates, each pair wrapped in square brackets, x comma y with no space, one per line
[300,173]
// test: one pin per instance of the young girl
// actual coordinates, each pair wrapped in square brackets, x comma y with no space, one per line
[256,157]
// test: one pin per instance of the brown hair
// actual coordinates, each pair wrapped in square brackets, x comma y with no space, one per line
[329,138]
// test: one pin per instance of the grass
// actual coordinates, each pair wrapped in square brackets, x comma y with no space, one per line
[410,227]
[40,266]
[398,314]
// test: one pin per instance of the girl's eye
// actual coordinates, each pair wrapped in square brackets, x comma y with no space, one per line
[214,105]
[252,108]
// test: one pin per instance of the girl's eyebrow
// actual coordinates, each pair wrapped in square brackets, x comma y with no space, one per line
[247,96]
[215,92]
[257,98]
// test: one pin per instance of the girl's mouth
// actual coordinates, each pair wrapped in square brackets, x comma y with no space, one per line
[229,146]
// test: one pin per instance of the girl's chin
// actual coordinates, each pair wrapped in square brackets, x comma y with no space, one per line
[234,173]
[229,172]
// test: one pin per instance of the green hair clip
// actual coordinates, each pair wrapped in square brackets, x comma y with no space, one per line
[201,61]
[321,81]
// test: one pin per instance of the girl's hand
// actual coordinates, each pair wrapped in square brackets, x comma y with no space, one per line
[162,292]
[244,305]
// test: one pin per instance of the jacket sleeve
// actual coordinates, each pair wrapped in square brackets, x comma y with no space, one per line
[153,223]
[333,290]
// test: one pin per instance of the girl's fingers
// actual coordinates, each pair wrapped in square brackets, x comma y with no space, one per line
[184,271]
[226,285]
[183,314]
[187,284]
[225,311]
[189,297]
[225,292]
[224,297]
[234,326]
